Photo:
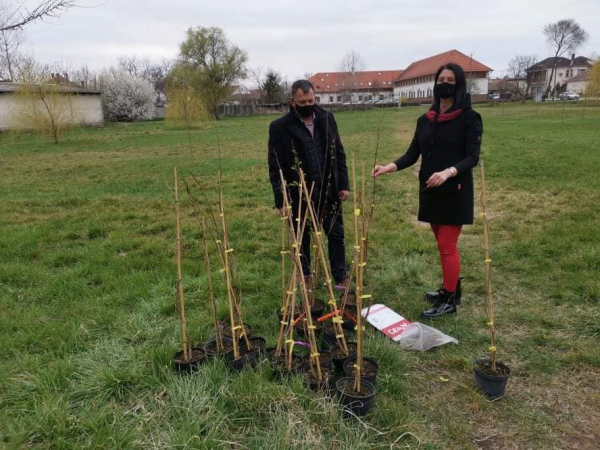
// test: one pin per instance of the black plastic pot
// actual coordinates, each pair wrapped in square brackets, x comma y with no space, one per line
[325,360]
[494,386]
[349,368]
[324,385]
[246,359]
[256,342]
[338,357]
[181,365]
[355,403]
[210,348]
[278,364]
[227,330]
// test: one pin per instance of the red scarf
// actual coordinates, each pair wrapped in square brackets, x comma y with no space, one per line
[444,117]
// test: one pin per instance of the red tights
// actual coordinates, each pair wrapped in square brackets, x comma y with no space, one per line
[447,239]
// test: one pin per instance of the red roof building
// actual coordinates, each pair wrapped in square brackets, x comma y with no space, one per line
[344,87]
[415,85]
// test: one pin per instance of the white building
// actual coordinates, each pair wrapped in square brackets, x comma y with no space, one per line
[85,105]
[539,74]
[342,87]
[579,83]
[415,85]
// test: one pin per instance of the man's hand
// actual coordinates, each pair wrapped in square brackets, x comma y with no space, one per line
[344,195]
[282,211]
[438,178]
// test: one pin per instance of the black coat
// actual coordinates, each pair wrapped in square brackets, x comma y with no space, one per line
[287,146]
[442,145]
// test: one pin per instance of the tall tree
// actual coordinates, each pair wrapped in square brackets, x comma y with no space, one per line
[218,63]
[563,36]
[351,63]
[272,88]
[17,17]
[517,67]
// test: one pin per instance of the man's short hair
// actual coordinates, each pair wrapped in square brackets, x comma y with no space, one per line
[305,85]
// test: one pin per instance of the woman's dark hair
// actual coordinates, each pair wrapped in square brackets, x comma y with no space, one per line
[461,85]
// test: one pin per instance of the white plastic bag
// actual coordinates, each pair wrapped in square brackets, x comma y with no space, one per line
[422,337]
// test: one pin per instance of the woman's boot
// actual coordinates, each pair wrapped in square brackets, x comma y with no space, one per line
[432,297]
[445,304]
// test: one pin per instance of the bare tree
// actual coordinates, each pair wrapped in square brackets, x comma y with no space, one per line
[11,57]
[563,36]
[351,63]
[517,67]
[12,18]
[257,75]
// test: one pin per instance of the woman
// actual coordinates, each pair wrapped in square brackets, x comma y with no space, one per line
[448,139]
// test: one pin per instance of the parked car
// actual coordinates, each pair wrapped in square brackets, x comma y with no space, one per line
[568,96]
[494,96]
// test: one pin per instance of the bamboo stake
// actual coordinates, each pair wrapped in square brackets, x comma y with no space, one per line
[358,254]
[213,304]
[488,274]
[184,334]
[337,319]
[226,268]
[296,246]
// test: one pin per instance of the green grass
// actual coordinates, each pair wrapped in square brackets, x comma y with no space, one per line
[88,324]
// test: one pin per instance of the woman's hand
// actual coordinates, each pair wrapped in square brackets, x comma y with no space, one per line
[438,178]
[380,170]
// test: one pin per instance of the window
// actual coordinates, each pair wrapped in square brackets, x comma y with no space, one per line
[331,99]
[360,98]
[318,99]
[380,97]
[339,98]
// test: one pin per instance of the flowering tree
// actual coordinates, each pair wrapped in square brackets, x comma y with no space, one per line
[125,97]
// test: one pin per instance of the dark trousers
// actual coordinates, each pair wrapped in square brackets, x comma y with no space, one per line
[333,228]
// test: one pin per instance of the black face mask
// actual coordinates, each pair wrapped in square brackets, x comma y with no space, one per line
[305,111]
[444,90]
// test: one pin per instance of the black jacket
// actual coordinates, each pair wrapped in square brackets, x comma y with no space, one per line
[287,151]
[442,145]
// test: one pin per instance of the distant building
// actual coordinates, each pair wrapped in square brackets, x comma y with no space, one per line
[579,83]
[415,84]
[86,104]
[245,96]
[357,87]
[507,88]
[539,74]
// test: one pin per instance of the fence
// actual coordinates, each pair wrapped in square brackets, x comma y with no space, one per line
[250,110]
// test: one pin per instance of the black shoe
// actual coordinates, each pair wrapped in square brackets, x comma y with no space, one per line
[432,297]
[446,304]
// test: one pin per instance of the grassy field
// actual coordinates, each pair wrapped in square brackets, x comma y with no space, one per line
[87,283]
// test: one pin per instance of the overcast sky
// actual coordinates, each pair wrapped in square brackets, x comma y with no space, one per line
[312,36]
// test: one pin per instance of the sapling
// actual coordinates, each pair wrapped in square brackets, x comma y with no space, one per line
[488,274]
[318,233]
[187,350]
[213,304]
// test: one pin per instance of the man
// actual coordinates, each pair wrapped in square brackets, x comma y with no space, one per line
[307,138]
